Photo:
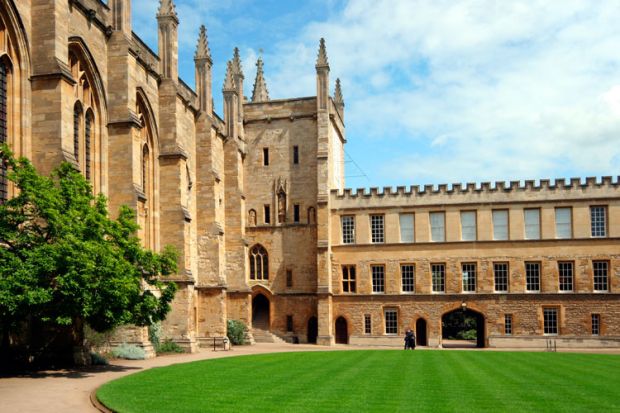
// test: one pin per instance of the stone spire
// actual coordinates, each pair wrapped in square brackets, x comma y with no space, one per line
[202,48]
[229,80]
[321,60]
[167,9]
[338,100]
[260,92]
[236,63]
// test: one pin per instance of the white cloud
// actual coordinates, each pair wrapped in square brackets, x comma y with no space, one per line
[476,89]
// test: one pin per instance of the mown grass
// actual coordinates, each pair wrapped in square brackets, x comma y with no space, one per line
[375,381]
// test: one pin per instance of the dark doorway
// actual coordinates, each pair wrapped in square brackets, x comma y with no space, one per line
[313,330]
[260,312]
[342,333]
[420,332]
[463,328]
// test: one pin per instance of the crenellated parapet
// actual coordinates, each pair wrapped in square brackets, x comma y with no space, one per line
[485,192]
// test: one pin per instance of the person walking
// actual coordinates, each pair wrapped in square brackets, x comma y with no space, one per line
[408,341]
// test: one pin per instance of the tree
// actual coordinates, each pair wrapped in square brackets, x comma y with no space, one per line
[64,262]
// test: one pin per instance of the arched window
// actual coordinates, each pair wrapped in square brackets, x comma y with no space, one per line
[77,121]
[4,193]
[259,263]
[145,168]
[88,130]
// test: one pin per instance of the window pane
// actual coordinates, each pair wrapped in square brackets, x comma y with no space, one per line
[469,277]
[600,275]
[348,229]
[596,324]
[563,222]
[367,324]
[376,228]
[438,277]
[406,228]
[468,225]
[408,278]
[378,279]
[598,218]
[532,223]
[391,322]
[500,272]
[500,225]
[566,276]
[532,276]
[508,324]
[438,233]
[550,320]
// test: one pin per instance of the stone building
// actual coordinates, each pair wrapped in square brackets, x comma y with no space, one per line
[255,201]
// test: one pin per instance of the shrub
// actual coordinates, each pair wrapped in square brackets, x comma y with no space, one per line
[169,346]
[236,331]
[155,334]
[467,335]
[129,352]
[97,359]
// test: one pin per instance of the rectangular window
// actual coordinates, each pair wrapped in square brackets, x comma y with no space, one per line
[468,225]
[391,322]
[598,221]
[267,214]
[532,223]
[596,324]
[378,278]
[376,228]
[289,323]
[563,223]
[406,228]
[508,324]
[289,278]
[348,229]
[295,155]
[296,213]
[438,226]
[469,277]
[550,320]
[601,275]
[265,156]
[500,275]
[407,273]
[438,274]
[565,270]
[367,324]
[348,279]
[532,276]
[500,224]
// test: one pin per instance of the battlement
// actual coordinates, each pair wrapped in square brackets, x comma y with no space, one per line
[513,191]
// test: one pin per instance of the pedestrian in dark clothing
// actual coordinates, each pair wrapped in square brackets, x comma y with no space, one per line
[409,340]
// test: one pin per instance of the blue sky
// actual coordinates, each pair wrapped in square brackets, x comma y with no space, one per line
[436,91]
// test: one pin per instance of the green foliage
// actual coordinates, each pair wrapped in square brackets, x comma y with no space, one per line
[129,352]
[97,359]
[375,381]
[168,346]
[467,335]
[63,261]
[236,331]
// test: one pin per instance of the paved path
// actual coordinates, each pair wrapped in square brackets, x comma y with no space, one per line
[68,391]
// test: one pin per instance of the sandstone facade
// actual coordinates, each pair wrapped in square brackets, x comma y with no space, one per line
[255,201]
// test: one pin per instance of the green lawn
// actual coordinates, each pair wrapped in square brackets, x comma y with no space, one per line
[376,381]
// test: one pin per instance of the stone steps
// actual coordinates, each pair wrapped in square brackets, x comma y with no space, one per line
[264,336]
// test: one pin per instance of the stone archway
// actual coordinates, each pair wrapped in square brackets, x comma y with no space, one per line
[421,336]
[260,312]
[463,328]
[342,331]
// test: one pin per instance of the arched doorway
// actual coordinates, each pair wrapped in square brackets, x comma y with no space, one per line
[260,312]
[342,333]
[313,330]
[463,328]
[420,332]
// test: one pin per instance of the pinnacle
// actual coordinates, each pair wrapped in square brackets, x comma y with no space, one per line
[338,94]
[260,93]
[321,60]
[236,63]
[167,8]
[229,81]
[202,48]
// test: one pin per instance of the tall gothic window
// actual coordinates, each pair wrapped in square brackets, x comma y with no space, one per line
[88,130]
[77,120]
[259,263]
[145,167]
[4,193]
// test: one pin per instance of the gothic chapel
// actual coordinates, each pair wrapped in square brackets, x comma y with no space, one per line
[255,203]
